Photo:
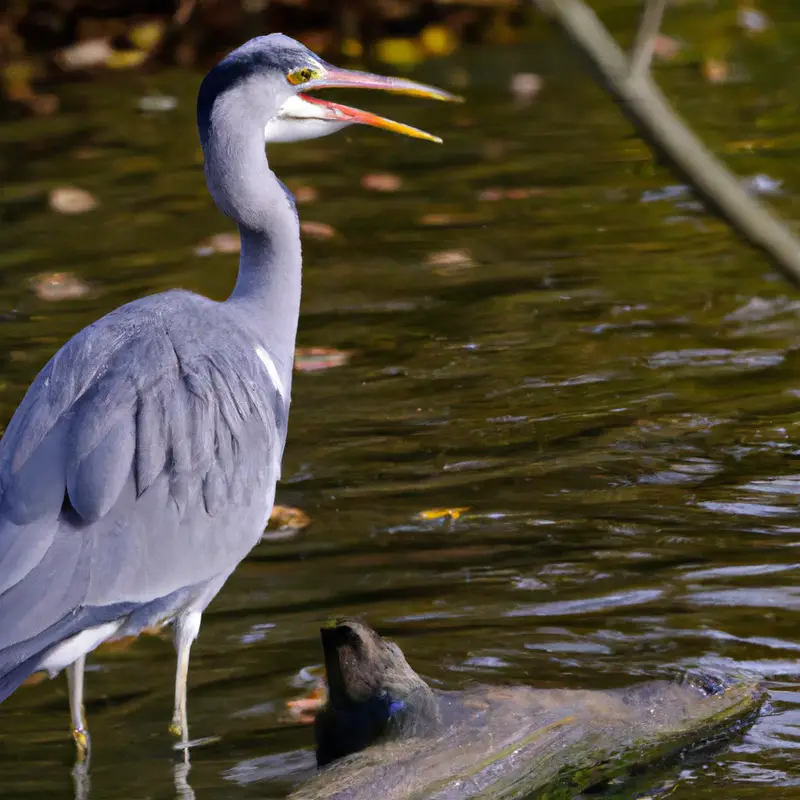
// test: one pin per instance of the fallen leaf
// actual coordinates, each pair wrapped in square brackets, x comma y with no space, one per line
[126,59]
[491,195]
[399,52]
[317,230]
[382,182]
[437,220]
[450,258]
[86,54]
[147,35]
[442,513]
[716,71]
[525,86]
[438,40]
[35,679]
[305,194]
[57,286]
[312,359]
[304,709]
[219,243]
[495,193]
[124,644]
[70,200]
[284,522]
[352,48]
[666,48]
[158,103]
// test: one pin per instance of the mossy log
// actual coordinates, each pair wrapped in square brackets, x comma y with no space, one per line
[389,735]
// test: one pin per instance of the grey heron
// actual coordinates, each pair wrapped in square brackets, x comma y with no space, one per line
[140,467]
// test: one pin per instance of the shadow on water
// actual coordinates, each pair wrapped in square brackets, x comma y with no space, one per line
[598,371]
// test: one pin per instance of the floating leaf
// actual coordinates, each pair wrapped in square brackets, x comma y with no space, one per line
[716,71]
[440,220]
[304,709]
[399,52]
[438,40]
[666,48]
[56,286]
[382,182]
[352,48]
[450,258]
[525,86]
[491,195]
[125,643]
[147,35]
[87,54]
[305,194]
[219,243]
[495,193]
[442,513]
[126,59]
[317,230]
[157,103]
[71,200]
[285,522]
[312,359]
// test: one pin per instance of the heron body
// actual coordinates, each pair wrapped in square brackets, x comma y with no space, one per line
[140,467]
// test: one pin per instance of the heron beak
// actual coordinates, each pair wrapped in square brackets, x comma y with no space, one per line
[343,78]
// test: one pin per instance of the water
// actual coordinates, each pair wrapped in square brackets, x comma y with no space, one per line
[609,383]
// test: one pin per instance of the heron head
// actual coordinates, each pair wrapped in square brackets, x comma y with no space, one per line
[272,76]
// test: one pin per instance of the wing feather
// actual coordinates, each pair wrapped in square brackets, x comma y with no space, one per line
[142,460]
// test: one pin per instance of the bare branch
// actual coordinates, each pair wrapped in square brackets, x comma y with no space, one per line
[642,53]
[661,126]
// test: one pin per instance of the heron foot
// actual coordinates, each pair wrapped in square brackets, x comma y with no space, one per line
[83,744]
[176,729]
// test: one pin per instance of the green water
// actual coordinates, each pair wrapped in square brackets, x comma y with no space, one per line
[610,385]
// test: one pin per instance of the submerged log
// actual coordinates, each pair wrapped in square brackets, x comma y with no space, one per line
[385,734]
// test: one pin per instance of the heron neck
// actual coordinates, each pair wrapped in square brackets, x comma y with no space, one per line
[270,265]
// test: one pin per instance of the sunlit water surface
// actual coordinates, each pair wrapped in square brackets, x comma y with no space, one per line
[603,375]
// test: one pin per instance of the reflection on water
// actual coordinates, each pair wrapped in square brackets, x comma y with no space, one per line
[609,385]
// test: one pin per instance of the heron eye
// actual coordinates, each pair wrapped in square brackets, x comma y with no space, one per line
[302,75]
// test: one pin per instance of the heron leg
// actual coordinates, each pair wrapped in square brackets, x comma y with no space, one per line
[186,628]
[80,732]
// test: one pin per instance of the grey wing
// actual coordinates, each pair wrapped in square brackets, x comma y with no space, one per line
[141,462]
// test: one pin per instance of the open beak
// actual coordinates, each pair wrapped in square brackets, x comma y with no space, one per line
[334,78]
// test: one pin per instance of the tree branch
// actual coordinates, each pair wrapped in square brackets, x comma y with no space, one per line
[652,113]
[642,53]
